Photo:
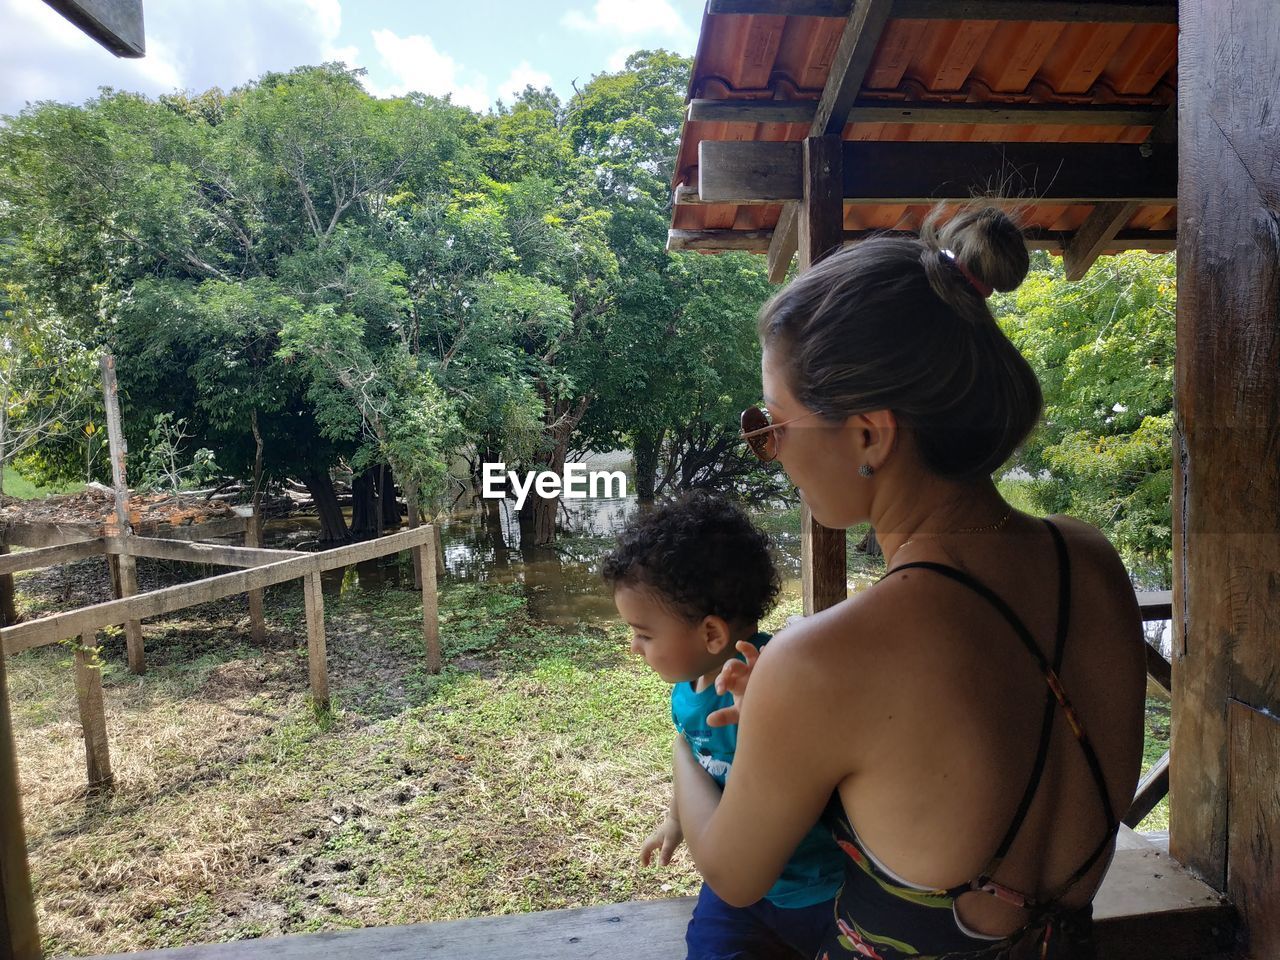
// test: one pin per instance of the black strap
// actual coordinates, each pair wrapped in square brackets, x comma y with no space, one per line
[1053,695]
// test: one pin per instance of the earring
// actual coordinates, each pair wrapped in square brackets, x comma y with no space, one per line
[866,470]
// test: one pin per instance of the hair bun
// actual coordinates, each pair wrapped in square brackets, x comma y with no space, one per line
[985,240]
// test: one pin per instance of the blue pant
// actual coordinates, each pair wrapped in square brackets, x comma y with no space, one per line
[761,931]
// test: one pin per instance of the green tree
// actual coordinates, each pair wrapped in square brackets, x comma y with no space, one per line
[680,358]
[1104,351]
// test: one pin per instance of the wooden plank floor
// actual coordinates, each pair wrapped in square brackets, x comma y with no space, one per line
[1149,908]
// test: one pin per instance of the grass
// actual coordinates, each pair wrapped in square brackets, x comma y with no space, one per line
[524,776]
[16,485]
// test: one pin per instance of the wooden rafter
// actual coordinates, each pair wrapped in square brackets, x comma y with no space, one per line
[906,112]
[1108,219]
[1022,11]
[1095,235]
[862,30]
[757,241]
[922,173]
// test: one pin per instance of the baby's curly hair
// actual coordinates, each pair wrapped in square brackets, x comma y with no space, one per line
[701,556]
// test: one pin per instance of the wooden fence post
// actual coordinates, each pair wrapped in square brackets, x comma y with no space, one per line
[93,719]
[257,618]
[315,641]
[19,937]
[126,567]
[430,601]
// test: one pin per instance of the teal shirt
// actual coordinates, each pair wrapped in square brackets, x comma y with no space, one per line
[816,870]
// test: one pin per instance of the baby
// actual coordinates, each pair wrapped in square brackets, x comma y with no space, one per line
[692,579]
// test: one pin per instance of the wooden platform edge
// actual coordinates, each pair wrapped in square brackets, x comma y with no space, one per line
[1149,908]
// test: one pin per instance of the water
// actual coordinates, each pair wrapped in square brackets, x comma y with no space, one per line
[481,543]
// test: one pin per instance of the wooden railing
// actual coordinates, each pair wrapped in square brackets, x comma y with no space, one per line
[262,568]
[1154,787]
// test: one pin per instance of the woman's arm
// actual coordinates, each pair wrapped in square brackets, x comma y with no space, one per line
[783,774]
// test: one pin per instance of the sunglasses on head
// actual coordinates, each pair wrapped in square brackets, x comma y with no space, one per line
[759,432]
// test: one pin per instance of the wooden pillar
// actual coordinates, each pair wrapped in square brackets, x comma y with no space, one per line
[1226,496]
[19,938]
[316,658]
[822,551]
[430,601]
[257,619]
[93,717]
[126,571]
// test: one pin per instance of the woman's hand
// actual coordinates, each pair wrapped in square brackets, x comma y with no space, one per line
[663,840]
[733,677]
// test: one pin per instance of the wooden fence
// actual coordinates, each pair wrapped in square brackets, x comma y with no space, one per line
[264,568]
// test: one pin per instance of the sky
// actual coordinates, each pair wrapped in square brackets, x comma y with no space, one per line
[475,50]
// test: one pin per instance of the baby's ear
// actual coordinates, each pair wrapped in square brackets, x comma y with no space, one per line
[716,634]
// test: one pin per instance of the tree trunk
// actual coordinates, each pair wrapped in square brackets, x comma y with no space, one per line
[538,520]
[333,525]
[870,545]
[645,454]
[493,527]
[364,503]
[538,515]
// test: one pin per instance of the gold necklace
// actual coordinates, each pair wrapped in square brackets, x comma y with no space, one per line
[989,528]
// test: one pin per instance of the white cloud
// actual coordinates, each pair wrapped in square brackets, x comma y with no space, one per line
[522,76]
[418,67]
[617,61]
[223,43]
[629,18]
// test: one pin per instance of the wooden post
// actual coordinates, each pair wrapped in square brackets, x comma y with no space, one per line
[126,568]
[411,503]
[430,602]
[316,659]
[8,596]
[257,619]
[822,551]
[93,718]
[19,938]
[1226,494]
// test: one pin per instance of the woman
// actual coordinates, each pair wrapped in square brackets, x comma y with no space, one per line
[929,715]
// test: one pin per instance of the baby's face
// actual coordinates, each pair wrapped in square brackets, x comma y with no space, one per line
[671,645]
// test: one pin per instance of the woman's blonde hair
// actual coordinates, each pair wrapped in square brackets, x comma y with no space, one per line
[895,323]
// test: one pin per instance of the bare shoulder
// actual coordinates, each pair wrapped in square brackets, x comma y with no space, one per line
[1097,558]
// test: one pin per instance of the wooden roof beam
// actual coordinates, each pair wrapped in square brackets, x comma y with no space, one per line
[116,24]
[866,22]
[906,112]
[740,172]
[757,241]
[1095,234]
[1019,11]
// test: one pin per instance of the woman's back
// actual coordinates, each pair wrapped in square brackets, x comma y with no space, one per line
[945,737]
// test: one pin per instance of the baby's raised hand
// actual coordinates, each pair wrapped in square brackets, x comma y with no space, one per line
[733,677]
[662,841]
